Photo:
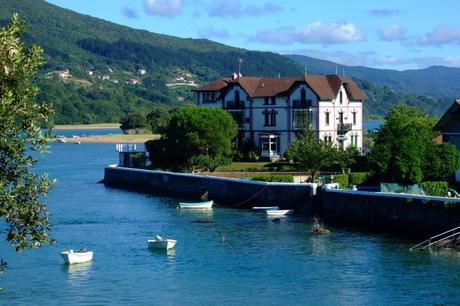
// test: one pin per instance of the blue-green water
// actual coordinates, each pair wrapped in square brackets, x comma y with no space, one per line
[259,263]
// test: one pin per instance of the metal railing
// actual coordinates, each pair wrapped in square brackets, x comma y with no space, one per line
[450,234]
[343,128]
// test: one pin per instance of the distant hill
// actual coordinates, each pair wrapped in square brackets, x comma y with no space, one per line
[97,71]
[131,69]
[432,89]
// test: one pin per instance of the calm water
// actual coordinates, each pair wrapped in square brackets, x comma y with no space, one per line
[260,262]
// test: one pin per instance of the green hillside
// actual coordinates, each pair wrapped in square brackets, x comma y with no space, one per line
[113,69]
[114,55]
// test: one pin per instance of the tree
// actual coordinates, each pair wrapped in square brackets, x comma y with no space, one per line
[159,118]
[311,154]
[405,150]
[346,158]
[194,131]
[133,120]
[21,190]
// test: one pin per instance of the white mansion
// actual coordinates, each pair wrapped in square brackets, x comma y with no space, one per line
[271,111]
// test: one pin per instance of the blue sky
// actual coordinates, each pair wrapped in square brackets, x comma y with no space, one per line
[402,34]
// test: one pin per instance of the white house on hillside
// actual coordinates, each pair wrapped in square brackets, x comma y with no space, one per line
[271,111]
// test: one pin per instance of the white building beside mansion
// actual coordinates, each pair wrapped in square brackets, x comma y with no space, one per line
[271,111]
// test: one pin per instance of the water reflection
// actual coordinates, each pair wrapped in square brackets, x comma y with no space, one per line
[78,271]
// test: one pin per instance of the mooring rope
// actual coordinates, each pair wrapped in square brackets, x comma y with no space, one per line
[247,200]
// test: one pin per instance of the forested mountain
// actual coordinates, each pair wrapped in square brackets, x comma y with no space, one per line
[113,69]
[96,70]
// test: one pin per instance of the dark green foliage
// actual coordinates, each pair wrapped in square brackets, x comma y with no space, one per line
[139,160]
[194,131]
[133,120]
[23,214]
[247,152]
[207,163]
[274,178]
[435,188]
[311,154]
[159,117]
[344,159]
[405,150]
[342,179]
[358,178]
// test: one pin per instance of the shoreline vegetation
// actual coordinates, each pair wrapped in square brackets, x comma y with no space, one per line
[111,138]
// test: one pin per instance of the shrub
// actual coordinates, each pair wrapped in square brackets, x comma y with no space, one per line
[358,178]
[342,179]
[139,160]
[435,188]
[274,178]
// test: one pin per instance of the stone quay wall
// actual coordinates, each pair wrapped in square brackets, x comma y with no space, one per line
[224,191]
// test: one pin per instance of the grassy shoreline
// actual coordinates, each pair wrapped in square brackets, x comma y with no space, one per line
[86,126]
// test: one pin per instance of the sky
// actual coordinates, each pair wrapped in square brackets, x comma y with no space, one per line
[393,34]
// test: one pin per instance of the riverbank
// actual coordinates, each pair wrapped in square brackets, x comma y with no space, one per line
[111,138]
[86,126]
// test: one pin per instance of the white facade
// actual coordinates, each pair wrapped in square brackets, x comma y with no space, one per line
[273,121]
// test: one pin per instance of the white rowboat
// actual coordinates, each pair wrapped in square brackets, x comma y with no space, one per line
[200,205]
[159,243]
[72,257]
[265,208]
[278,213]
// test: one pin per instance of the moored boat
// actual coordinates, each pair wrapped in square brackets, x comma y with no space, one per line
[200,205]
[264,208]
[279,212]
[159,243]
[72,257]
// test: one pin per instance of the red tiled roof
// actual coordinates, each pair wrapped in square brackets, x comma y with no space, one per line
[326,87]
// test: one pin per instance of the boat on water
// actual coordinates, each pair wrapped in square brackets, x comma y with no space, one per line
[73,257]
[158,243]
[278,212]
[264,208]
[199,205]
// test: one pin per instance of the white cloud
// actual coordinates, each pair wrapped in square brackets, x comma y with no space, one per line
[440,36]
[165,8]
[234,9]
[129,12]
[392,33]
[315,33]
[372,59]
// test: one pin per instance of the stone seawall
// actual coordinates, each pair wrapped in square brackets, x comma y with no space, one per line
[224,191]
[409,214]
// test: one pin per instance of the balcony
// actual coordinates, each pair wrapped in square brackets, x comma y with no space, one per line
[343,128]
[301,104]
[234,104]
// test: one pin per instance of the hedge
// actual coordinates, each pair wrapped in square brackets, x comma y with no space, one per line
[342,179]
[274,178]
[358,178]
[435,188]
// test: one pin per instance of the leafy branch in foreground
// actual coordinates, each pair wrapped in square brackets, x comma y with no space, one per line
[21,190]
